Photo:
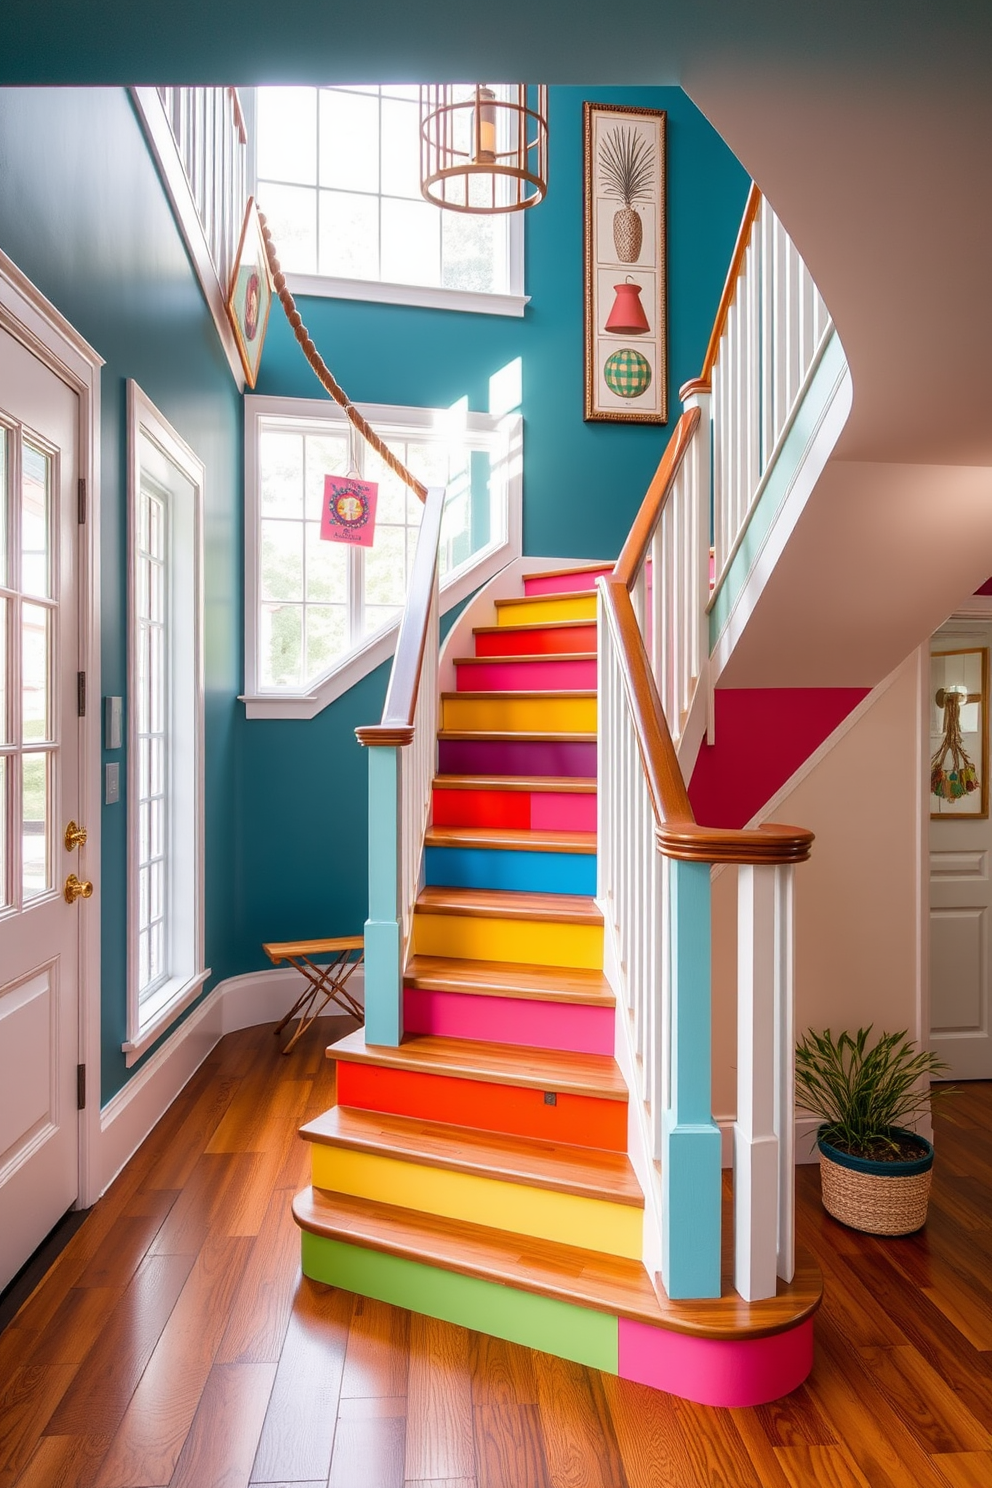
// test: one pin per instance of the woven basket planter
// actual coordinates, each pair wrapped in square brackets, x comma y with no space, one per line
[880,1198]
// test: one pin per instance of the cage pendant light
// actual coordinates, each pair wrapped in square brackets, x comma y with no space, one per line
[484,148]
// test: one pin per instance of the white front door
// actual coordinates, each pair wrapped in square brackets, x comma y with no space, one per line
[39,795]
[961,895]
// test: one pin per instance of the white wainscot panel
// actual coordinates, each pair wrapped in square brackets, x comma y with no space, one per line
[26,1043]
[974,865]
[958,949]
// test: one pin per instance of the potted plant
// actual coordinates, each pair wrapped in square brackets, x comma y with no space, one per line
[874,1173]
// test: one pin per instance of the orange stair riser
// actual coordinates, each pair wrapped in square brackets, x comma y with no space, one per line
[527,640]
[577,1120]
[516,713]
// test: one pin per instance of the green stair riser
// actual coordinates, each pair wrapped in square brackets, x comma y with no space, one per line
[561,1328]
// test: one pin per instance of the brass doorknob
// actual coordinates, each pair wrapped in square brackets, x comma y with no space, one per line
[74,836]
[75,890]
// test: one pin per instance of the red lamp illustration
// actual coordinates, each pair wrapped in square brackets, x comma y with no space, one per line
[627,318]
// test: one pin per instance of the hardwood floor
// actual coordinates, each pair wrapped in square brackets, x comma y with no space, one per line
[175,1343]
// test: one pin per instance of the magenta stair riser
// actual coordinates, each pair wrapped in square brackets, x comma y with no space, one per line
[516,757]
[716,1371]
[550,673]
[565,583]
[509,1020]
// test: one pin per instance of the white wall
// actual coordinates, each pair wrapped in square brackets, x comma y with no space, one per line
[860,934]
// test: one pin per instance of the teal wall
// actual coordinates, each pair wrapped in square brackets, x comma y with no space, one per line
[83,215]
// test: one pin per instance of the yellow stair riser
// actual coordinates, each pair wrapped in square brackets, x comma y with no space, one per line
[541,612]
[616,1229]
[536,942]
[548,715]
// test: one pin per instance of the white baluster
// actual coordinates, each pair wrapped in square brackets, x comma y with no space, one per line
[756,1154]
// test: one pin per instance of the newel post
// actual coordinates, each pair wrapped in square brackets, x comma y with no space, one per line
[383,928]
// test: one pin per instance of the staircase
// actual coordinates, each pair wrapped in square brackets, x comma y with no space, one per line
[461,1166]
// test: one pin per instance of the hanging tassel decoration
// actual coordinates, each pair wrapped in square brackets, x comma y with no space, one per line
[952,774]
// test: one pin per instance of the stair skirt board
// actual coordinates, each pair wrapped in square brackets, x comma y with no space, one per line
[526,675]
[509,1020]
[536,811]
[508,868]
[535,640]
[511,712]
[537,942]
[576,757]
[709,1371]
[576,1120]
[542,1213]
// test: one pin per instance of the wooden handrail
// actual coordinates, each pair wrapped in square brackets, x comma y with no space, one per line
[396,726]
[730,287]
[633,552]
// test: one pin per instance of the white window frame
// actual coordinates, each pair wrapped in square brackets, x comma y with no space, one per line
[155,447]
[504,437]
[429,297]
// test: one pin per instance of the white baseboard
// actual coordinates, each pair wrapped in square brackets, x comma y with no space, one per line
[237,1002]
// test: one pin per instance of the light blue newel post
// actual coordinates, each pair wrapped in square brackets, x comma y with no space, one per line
[383,985]
[690,1157]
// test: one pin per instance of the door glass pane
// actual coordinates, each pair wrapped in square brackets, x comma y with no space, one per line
[35,813]
[35,672]
[35,521]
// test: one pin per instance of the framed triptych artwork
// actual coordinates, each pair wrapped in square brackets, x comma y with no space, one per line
[626,332]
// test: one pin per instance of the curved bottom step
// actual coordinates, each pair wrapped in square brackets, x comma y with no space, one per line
[597,1310]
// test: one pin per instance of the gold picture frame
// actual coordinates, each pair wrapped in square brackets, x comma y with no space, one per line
[625,264]
[959,725]
[250,295]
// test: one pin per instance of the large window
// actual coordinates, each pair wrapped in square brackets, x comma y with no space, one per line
[165,726]
[337,175]
[319,614]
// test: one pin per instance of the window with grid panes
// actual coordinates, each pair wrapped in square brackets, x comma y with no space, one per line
[337,175]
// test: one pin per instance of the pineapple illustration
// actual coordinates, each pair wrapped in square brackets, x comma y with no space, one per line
[626,169]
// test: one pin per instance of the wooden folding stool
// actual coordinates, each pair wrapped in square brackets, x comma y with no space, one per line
[324,983]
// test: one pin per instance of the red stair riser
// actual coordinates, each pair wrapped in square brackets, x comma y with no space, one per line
[540,811]
[557,673]
[565,583]
[526,640]
[577,1120]
[526,1021]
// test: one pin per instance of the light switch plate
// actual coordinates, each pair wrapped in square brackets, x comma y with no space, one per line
[112,791]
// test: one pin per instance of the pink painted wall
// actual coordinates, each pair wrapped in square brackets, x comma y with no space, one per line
[763,735]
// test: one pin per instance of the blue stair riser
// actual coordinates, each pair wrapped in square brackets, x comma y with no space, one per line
[497,868]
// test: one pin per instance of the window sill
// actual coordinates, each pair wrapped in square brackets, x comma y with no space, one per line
[171,1000]
[422,295]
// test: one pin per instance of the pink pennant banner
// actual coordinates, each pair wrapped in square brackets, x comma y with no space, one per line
[348,514]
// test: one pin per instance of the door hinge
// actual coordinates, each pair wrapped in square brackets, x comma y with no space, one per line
[81,694]
[81,501]
[80,1087]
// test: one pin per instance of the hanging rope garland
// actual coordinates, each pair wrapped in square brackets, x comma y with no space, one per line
[325,375]
[952,774]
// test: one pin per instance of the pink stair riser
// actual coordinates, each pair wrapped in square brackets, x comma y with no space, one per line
[552,674]
[509,1020]
[716,1371]
[562,811]
[565,583]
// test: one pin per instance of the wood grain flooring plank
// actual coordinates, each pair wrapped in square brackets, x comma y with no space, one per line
[369,1451]
[720,1456]
[377,1358]
[439,1437]
[209,1200]
[937,1417]
[502,1372]
[760,1452]
[440,1483]
[652,1446]
[147,1444]
[105,1381]
[819,1466]
[371,1407]
[252,1201]
[64,1462]
[28,1399]
[76,1325]
[509,1447]
[795,1421]
[172,1167]
[579,1442]
[298,1432]
[261,1306]
[965,1469]
[220,1447]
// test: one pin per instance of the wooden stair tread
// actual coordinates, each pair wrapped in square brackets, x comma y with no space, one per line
[509,904]
[528,839]
[519,599]
[510,979]
[567,784]
[596,1075]
[514,736]
[537,656]
[523,695]
[586,1278]
[587,1172]
[537,624]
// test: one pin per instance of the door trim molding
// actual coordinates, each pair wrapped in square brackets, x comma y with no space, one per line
[30,318]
